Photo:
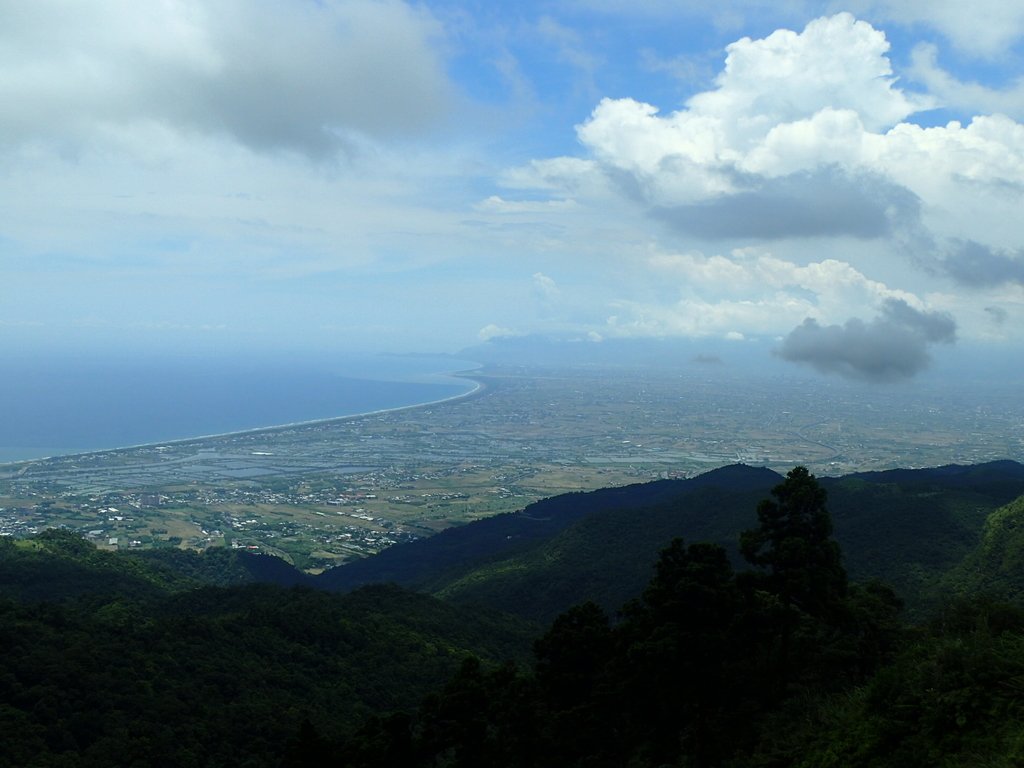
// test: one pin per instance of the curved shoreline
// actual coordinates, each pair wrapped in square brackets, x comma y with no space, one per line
[478,388]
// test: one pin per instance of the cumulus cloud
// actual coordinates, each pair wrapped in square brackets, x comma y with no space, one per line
[805,136]
[750,293]
[793,141]
[273,75]
[891,347]
[831,286]
[836,62]
[806,98]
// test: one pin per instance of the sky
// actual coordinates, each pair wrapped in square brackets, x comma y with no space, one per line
[841,184]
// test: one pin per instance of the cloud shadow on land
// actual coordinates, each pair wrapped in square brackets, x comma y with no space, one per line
[892,347]
[827,202]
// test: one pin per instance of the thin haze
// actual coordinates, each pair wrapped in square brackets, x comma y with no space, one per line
[842,185]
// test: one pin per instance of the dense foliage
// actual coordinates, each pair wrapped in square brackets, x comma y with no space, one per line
[904,527]
[139,666]
[760,654]
[692,673]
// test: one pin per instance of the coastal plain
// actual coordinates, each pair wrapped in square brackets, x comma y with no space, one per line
[320,493]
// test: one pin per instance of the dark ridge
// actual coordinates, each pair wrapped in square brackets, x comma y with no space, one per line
[273,570]
[988,475]
[419,562]
[904,527]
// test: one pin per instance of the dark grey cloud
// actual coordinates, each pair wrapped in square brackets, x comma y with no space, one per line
[826,202]
[891,347]
[980,266]
[931,326]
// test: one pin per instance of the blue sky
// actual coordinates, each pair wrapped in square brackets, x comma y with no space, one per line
[840,182]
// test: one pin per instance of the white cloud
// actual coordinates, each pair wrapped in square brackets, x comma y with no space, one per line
[492,331]
[546,288]
[699,317]
[752,292]
[971,97]
[830,136]
[749,271]
[172,142]
[787,103]
[276,75]
[983,28]
[805,136]
[559,174]
[836,63]
[498,204]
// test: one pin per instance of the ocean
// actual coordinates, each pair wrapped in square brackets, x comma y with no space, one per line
[57,406]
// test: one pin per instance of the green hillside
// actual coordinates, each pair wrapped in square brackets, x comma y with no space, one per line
[754,647]
[110,659]
[60,565]
[789,665]
[996,566]
[606,557]
[428,564]
[906,528]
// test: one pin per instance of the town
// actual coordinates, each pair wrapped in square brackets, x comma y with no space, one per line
[319,494]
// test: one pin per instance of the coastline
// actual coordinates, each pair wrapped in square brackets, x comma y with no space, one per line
[465,374]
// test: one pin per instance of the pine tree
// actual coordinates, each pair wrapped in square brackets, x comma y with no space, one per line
[794,544]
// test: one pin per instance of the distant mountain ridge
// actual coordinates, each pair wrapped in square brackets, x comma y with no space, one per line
[421,563]
[908,527]
[901,526]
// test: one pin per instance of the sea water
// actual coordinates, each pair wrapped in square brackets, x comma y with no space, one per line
[56,406]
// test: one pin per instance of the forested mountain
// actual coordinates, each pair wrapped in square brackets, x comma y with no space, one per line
[996,566]
[788,664]
[60,565]
[120,660]
[429,564]
[730,620]
[905,527]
